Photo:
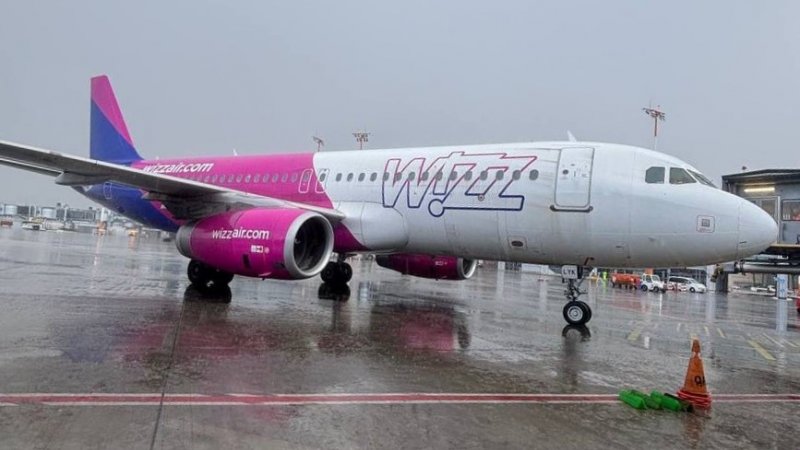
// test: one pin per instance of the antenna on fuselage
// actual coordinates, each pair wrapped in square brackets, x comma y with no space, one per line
[235,153]
[571,137]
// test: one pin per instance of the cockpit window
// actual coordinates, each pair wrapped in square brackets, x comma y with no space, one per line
[654,175]
[702,178]
[679,176]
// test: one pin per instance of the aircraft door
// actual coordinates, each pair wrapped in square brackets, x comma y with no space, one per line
[574,180]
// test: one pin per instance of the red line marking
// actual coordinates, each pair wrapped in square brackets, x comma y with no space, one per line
[96,399]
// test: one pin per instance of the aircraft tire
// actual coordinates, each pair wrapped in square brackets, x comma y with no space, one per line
[337,273]
[576,313]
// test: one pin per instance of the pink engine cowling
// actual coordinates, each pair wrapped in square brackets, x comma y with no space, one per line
[428,266]
[285,243]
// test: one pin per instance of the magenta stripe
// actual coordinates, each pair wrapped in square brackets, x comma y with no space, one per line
[103,97]
[308,399]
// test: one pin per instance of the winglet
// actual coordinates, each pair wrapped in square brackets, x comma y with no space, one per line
[110,140]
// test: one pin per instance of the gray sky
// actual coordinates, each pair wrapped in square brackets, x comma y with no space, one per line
[203,78]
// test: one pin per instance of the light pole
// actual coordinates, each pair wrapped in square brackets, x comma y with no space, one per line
[361,138]
[320,143]
[657,115]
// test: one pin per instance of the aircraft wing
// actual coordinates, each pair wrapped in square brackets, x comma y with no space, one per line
[186,199]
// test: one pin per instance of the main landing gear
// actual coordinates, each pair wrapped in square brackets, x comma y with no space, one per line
[206,277]
[576,312]
[337,273]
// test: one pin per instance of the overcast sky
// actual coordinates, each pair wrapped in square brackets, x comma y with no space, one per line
[203,78]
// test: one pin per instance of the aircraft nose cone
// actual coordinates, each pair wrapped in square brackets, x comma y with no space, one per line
[757,230]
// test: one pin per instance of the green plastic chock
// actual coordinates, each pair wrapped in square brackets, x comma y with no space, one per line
[632,400]
[667,402]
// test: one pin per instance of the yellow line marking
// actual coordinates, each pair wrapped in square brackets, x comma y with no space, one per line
[721,334]
[772,340]
[635,334]
[789,343]
[706,328]
[761,350]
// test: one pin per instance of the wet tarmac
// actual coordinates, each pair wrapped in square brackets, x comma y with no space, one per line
[104,345]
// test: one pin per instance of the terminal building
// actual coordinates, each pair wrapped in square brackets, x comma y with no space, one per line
[776,191]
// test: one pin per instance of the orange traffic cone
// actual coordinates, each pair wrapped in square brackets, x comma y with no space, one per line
[694,387]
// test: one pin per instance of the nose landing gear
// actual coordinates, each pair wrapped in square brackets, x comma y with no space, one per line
[576,312]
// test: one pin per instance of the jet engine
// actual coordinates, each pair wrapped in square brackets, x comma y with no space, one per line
[429,266]
[284,243]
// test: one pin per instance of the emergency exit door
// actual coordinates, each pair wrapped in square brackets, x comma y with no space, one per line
[574,179]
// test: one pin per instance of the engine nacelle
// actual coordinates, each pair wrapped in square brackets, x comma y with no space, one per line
[428,266]
[285,243]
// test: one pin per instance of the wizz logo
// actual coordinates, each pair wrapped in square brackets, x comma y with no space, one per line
[463,181]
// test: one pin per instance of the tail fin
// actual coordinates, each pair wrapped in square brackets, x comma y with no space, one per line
[109,140]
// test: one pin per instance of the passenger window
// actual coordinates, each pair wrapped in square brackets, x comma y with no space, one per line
[515,175]
[338,177]
[499,175]
[284,177]
[453,175]
[306,176]
[350,176]
[411,176]
[247,178]
[275,177]
[385,176]
[424,176]
[397,176]
[654,175]
[439,176]
[256,178]
[679,176]
[322,176]
[484,175]
[294,177]
[468,175]
[361,177]
[533,175]
[373,176]
[230,178]
[238,178]
[266,178]
[214,178]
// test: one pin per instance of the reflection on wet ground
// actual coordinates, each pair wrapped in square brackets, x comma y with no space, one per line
[115,316]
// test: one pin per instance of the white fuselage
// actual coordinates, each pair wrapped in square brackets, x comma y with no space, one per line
[585,203]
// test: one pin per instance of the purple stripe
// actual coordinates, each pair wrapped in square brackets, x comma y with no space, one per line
[103,97]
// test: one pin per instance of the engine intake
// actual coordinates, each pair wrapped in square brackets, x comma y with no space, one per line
[285,243]
[428,266]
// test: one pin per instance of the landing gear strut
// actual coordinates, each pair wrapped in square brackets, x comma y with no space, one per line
[576,312]
[206,277]
[337,273]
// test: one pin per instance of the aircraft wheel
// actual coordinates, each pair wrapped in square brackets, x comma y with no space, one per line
[345,272]
[576,313]
[197,272]
[337,273]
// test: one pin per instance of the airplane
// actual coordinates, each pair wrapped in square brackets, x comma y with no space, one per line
[428,212]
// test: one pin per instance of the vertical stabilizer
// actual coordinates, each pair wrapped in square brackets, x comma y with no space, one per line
[109,139]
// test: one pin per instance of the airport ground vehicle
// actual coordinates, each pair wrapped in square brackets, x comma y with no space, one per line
[685,284]
[652,283]
[625,280]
